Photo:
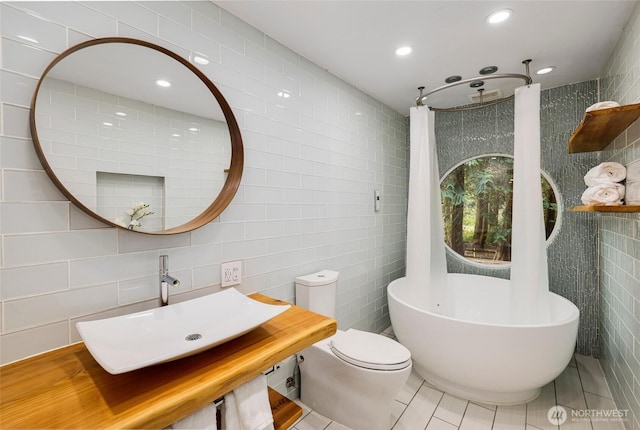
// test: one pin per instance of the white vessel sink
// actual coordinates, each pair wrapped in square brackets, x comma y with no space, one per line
[133,341]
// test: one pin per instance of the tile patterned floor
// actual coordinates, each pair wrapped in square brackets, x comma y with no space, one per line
[420,406]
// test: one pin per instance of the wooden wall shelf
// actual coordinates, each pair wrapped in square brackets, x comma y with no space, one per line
[621,209]
[600,127]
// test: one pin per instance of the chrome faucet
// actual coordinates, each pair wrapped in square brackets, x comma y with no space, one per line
[165,280]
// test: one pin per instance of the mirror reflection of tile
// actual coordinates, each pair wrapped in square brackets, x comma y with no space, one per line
[120,197]
[134,139]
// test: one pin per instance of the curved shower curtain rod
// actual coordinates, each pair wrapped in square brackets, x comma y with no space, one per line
[526,78]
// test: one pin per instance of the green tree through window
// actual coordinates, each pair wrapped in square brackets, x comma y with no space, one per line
[477,197]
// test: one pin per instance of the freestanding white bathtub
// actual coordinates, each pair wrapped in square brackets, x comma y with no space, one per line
[474,353]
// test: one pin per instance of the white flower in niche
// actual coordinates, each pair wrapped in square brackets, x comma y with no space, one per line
[135,213]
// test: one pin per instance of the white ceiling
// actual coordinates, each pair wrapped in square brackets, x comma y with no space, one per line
[356,40]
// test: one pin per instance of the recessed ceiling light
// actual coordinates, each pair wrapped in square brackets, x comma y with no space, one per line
[121,114]
[163,83]
[499,16]
[175,135]
[404,50]
[194,129]
[453,78]
[546,70]
[107,124]
[488,70]
[284,94]
[200,60]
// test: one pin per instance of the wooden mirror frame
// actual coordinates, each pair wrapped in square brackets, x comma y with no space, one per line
[234,174]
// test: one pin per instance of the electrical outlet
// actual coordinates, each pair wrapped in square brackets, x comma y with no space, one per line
[231,273]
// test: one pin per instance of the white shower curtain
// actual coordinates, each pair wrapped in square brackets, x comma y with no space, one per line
[529,273]
[426,262]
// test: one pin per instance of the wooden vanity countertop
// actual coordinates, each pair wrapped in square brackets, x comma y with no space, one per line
[67,388]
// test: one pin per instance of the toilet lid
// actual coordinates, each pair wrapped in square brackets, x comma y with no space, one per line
[370,350]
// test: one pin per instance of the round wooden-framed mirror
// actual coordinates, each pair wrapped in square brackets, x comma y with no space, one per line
[136,136]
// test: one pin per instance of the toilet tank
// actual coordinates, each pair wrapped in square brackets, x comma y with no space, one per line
[317,292]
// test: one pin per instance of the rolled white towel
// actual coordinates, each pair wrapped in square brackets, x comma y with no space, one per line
[605,173]
[633,171]
[602,105]
[603,195]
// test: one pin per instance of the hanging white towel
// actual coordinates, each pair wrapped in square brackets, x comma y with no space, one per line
[604,173]
[247,407]
[633,172]
[204,419]
[602,105]
[603,195]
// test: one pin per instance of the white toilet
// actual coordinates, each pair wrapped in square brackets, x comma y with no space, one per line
[353,376]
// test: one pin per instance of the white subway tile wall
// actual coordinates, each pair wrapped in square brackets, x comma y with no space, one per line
[305,202]
[619,239]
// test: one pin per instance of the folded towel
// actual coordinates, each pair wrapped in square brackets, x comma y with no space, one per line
[633,171]
[605,173]
[204,418]
[247,407]
[603,195]
[602,105]
[633,193]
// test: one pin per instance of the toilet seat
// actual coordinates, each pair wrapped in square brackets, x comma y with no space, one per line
[370,350]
